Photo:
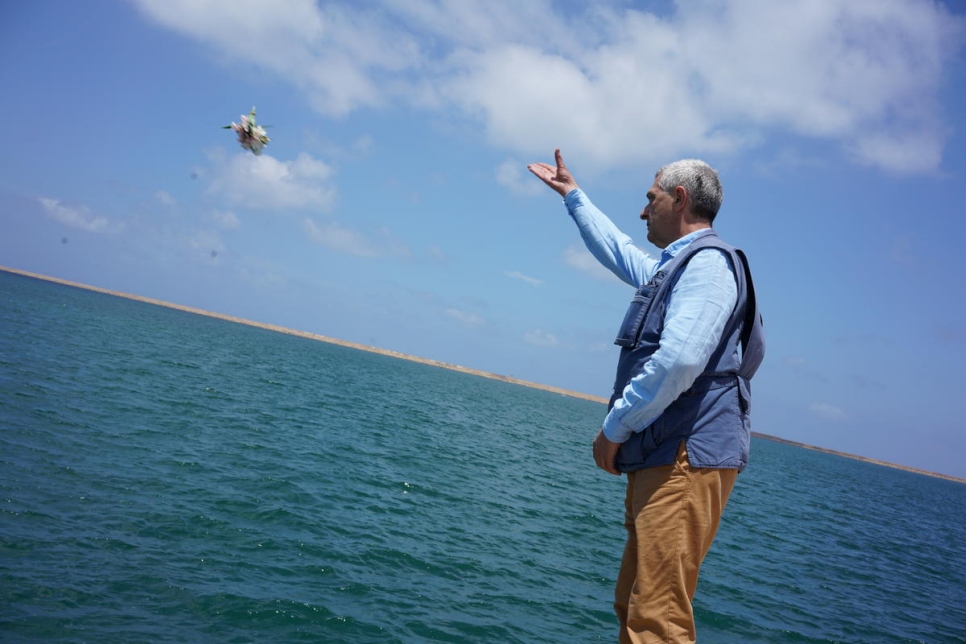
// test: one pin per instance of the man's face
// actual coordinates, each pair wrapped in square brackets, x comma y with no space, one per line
[662,225]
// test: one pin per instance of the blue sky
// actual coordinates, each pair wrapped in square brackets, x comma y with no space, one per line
[393,206]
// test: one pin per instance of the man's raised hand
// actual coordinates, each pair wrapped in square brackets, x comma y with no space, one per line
[558,178]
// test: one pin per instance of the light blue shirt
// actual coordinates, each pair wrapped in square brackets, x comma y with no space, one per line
[698,310]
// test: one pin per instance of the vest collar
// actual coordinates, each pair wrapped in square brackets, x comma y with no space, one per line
[677,245]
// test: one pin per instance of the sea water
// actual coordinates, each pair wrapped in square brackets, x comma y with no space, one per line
[172,477]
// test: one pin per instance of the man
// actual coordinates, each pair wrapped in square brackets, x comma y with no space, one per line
[677,423]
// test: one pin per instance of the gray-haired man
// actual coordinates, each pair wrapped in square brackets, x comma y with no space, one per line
[678,421]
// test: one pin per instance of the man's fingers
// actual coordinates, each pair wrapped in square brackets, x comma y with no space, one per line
[605,457]
[557,177]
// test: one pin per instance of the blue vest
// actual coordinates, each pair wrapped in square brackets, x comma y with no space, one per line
[712,416]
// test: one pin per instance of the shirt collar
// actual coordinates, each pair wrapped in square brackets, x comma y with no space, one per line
[677,245]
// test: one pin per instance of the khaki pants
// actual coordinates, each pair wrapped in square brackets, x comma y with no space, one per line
[671,515]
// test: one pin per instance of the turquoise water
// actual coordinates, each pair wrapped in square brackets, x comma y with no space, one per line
[169,477]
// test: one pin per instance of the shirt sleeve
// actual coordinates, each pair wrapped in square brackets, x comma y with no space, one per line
[612,248]
[700,304]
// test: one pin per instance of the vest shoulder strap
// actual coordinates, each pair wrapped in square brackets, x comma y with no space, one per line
[752,333]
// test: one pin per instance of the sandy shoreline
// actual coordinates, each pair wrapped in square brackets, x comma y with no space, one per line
[435,363]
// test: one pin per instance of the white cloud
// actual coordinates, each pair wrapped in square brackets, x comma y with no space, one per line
[437,255]
[601,347]
[207,243]
[480,25]
[465,318]
[165,198]
[899,152]
[225,219]
[580,258]
[343,57]
[517,275]
[75,216]
[263,275]
[347,240]
[266,183]
[828,412]
[612,84]
[541,338]
[864,73]
[513,175]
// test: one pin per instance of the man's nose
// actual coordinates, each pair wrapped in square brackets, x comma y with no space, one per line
[645,213]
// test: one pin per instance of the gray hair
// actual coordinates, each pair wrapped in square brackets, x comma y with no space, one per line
[701,182]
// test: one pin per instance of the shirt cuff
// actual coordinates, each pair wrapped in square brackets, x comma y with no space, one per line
[612,429]
[574,198]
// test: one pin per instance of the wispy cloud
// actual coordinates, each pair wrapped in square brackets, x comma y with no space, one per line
[76,216]
[437,255]
[225,219]
[827,412]
[465,318]
[517,275]
[541,338]
[207,243]
[513,175]
[335,236]
[907,250]
[580,258]
[716,77]
[950,335]
[165,198]
[800,366]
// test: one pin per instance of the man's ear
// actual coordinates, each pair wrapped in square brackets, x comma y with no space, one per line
[680,197]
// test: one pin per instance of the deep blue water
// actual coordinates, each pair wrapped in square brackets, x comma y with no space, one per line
[170,477]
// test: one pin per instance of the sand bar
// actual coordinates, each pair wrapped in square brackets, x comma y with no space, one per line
[437,363]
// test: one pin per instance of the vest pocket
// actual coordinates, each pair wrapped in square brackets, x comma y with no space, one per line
[635,449]
[630,329]
[711,404]
[744,395]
